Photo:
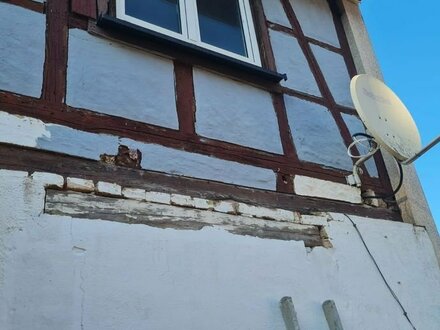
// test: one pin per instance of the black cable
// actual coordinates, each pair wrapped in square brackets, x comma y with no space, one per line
[385,197]
[405,313]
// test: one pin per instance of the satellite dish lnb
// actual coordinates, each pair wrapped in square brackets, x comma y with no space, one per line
[387,120]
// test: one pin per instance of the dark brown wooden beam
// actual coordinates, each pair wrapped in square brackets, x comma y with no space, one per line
[28,4]
[28,159]
[185,99]
[55,66]
[84,7]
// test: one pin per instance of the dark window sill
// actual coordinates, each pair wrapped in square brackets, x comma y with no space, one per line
[111,27]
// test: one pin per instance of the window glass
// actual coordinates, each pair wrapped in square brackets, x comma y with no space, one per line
[220,25]
[164,13]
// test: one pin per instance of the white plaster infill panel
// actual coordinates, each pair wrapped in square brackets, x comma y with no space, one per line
[121,81]
[335,73]
[290,59]
[316,20]
[274,12]
[22,50]
[230,111]
[307,186]
[316,136]
[19,130]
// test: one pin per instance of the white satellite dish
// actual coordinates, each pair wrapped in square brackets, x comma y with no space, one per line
[385,117]
[387,120]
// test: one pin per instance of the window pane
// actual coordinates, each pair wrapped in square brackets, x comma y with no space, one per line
[163,13]
[220,24]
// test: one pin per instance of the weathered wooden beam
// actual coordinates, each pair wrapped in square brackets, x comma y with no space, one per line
[90,206]
[29,159]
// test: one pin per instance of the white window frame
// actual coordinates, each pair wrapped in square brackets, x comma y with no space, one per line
[191,32]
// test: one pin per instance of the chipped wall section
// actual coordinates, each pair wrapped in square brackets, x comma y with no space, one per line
[132,84]
[234,112]
[22,50]
[61,272]
[316,135]
[34,133]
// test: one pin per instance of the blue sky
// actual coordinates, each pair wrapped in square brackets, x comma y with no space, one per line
[406,39]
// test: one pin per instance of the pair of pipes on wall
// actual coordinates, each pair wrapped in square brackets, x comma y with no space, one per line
[291,320]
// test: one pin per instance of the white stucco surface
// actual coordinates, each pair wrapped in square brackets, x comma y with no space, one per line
[355,125]
[335,73]
[316,20]
[290,59]
[274,12]
[230,111]
[60,272]
[132,84]
[22,50]
[315,134]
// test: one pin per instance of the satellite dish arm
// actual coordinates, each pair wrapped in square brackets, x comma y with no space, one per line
[422,152]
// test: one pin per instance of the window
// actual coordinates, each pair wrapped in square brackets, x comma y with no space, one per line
[223,26]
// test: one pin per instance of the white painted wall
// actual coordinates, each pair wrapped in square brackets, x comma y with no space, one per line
[22,50]
[58,272]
